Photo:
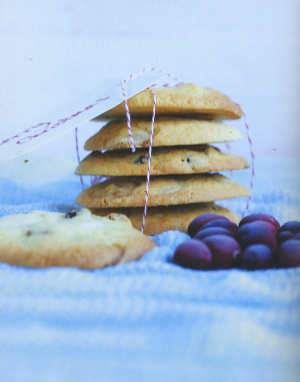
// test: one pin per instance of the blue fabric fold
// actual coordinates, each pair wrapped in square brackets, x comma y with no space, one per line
[148,320]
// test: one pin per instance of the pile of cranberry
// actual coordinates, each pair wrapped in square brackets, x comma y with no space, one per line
[258,242]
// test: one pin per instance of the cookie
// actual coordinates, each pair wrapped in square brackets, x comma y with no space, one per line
[164,191]
[77,239]
[184,99]
[164,161]
[167,132]
[160,219]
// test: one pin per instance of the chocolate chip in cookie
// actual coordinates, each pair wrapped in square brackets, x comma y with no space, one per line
[70,214]
[141,159]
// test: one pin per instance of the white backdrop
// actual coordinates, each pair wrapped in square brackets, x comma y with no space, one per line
[53,50]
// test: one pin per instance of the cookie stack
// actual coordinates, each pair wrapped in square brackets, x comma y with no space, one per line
[184,168]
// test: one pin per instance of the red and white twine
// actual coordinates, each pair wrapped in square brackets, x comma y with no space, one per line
[252,166]
[42,128]
[124,93]
[77,155]
[147,193]
[124,82]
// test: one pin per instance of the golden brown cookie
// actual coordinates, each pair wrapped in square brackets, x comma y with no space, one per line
[164,191]
[77,239]
[160,219]
[184,99]
[167,132]
[164,161]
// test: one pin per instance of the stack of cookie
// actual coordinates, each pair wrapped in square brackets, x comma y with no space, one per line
[184,168]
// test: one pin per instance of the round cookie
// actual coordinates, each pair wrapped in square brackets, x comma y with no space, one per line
[164,191]
[76,239]
[183,99]
[167,132]
[161,219]
[164,161]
